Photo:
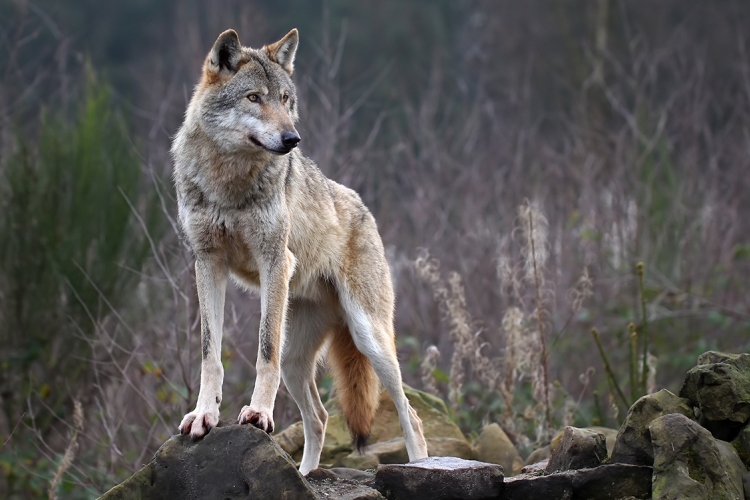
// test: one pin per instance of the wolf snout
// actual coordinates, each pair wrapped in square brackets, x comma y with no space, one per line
[290,138]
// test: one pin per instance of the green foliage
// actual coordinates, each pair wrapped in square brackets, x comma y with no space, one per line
[70,244]
[16,471]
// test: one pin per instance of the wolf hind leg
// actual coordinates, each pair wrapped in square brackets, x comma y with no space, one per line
[308,326]
[375,339]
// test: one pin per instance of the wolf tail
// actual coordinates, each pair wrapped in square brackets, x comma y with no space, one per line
[356,383]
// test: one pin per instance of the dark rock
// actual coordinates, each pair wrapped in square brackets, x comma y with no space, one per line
[606,482]
[578,449]
[230,462]
[437,478]
[720,387]
[742,444]
[523,487]
[746,483]
[544,453]
[343,484]
[613,482]
[633,445]
[690,464]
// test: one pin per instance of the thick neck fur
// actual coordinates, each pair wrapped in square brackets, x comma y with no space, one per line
[206,174]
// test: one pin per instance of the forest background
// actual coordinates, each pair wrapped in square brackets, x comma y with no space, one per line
[538,170]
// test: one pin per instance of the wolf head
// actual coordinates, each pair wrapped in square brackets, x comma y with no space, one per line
[246,100]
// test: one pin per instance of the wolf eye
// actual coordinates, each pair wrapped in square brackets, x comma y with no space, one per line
[285,98]
[253,97]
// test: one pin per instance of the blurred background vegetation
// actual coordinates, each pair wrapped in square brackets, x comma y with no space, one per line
[520,157]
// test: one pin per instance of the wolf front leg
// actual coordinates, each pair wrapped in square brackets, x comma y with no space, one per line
[274,292]
[211,280]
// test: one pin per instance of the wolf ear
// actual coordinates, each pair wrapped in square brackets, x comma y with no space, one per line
[225,54]
[284,50]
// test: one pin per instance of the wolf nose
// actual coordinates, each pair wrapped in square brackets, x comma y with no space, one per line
[290,139]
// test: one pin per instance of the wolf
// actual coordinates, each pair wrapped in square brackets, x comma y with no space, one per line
[253,208]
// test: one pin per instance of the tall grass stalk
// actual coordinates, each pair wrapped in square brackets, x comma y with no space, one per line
[611,378]
[633,365]
[644,328]
[531,215]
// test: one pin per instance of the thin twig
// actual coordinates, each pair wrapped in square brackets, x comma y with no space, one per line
[610,373]
[20,419]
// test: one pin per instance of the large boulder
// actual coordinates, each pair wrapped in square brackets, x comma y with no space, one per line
[633,444]
[495,447]
[578,449]
[440,478]
[690,464]
[230,462]
[442,434]
[720,387]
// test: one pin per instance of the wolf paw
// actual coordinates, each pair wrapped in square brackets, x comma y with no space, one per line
[198,423]
[260,419]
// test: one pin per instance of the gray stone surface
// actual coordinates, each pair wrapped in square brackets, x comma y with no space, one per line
[343,484]
[440,478]
[690,464]
[578,449]
[633,445]
[606,482]
[230,462]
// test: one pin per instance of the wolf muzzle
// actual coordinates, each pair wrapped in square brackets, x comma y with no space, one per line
[290,139]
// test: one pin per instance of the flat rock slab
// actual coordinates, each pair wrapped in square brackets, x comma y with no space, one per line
[606,482]
[230,462]
[438,478]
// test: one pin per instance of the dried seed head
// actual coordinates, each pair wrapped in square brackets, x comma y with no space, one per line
[428,366]
[534,245]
